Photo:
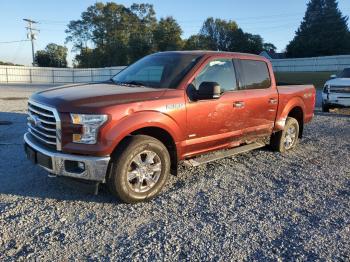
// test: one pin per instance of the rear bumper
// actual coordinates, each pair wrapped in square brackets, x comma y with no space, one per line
[94,168]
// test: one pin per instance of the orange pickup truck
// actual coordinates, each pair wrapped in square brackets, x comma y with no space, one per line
[191,107]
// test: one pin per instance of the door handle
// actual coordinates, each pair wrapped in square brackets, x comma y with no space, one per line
[239,104]
[273,101]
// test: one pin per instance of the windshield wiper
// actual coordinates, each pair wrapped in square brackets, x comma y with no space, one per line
[130,83]
[135,83]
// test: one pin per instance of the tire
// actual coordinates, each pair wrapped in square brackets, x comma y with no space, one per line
[325,108]
[279,139]
[139,169]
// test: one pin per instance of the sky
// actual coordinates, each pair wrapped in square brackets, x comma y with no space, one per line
[275,20]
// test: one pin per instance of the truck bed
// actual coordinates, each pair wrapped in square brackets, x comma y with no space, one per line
[304,94]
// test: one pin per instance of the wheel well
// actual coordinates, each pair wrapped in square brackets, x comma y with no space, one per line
[297,113]
[164,137]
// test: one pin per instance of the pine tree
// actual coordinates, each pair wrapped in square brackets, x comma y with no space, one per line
[323,31]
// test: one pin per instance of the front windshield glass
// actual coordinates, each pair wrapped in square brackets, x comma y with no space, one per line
[158,71]
[345,73]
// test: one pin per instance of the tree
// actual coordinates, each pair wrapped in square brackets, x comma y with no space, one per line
[269,47]
[222,35]
[52,56]
[9,63]
[167,35]
[323,31]
[110,34]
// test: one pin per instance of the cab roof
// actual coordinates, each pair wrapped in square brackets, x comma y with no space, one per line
[209,53]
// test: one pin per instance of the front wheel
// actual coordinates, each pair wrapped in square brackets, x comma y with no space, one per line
[286,139]
[139,169]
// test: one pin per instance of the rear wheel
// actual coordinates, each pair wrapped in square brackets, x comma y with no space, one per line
[286,139]
[139,169]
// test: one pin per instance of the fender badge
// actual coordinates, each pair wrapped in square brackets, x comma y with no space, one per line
[174,106]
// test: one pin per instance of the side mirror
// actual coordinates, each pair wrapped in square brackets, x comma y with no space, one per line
[209,90]
[333,76]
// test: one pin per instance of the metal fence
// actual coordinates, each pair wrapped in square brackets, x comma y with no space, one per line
[48,75]
[313,64]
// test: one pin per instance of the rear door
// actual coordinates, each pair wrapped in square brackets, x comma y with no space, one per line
[259,102]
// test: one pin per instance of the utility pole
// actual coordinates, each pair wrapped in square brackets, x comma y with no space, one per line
[31,35]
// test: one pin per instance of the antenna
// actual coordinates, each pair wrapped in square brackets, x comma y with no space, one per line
[31,35]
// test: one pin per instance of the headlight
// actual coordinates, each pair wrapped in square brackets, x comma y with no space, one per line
[90,126]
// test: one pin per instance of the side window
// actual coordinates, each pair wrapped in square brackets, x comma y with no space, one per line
[220,71]
[255,74]
[147,74]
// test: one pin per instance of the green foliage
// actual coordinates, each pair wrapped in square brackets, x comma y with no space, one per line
[110,34]
[323,31]
[9,63]
[167,35]
[269,47]
[53,56]
[222,35]
[119,35]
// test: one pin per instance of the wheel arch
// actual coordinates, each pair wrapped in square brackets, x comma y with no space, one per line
[294,108]
[162,127]
[298,114]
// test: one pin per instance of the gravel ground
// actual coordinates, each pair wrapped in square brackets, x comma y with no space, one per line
[257,206]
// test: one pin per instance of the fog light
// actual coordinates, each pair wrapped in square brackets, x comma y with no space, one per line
[81,165]
[74,166]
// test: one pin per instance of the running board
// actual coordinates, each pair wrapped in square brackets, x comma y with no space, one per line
[221,154]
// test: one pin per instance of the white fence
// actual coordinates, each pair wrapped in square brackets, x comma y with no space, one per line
[313,64]
[48,75]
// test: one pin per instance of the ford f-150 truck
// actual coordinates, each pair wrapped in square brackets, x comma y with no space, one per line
[191,107]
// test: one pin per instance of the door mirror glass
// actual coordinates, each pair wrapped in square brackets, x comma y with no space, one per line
[333,76]
[209,90]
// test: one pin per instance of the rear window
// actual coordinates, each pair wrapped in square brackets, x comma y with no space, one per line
[255,74]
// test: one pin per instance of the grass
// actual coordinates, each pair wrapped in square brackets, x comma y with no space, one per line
[316,78]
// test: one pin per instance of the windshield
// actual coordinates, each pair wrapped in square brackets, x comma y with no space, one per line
[158,70]
[345,73]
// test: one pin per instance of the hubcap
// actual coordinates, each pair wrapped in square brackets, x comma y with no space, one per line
[144,171]
[290,137]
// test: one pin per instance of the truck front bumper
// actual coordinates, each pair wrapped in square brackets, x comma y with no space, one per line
[336,100]
[77,166]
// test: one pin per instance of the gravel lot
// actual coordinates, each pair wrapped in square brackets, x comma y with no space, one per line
[257,206]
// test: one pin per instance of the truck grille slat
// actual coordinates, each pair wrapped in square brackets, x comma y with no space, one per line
[46,128]
[30,108]
[41,139]
[340,89]
[43,120]
[41,132]
[44,124]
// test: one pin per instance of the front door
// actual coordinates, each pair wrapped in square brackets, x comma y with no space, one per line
[213,123]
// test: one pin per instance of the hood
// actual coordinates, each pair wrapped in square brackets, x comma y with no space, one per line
[339,82]
[94,96]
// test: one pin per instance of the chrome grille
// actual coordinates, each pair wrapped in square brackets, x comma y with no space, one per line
[44,124]
[340,89]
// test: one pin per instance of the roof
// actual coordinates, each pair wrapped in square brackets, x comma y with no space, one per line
[208,52]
